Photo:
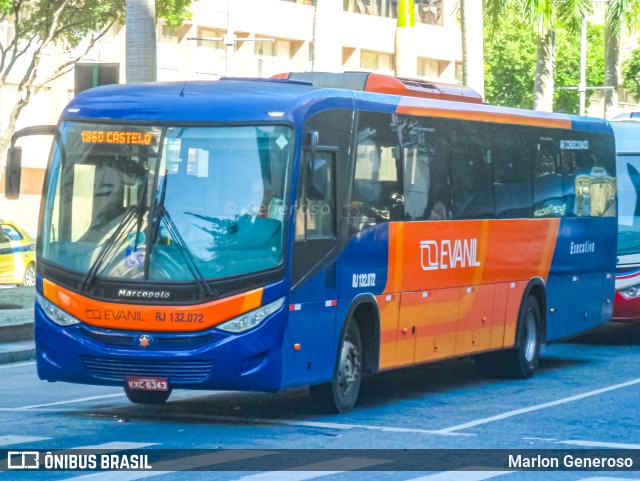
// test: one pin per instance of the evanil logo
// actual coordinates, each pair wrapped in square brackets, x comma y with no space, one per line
[448,254]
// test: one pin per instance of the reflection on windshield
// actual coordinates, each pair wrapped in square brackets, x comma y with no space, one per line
[628,167]
[183,204]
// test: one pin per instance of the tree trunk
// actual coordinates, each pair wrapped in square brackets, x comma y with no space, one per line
[141,60]
[406,58]
[472,45]
[543,82]
[326,53]
[611,67]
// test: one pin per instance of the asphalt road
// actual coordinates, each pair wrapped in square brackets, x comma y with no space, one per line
[585,395]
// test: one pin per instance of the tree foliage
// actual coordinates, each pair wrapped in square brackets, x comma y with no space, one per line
[631,73]
[74,25]
[510,63]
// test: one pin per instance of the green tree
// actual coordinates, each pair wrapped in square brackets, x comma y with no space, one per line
[631,73]
[620,15]
[568,66]
[543,17]
[37,25]
[510,63]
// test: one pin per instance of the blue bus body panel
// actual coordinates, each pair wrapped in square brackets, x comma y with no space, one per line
[585,248]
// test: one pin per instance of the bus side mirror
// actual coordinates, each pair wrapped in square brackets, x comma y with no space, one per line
[317,179]
[13,173]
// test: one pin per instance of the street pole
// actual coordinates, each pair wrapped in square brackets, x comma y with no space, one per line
[582,87]
[229,41]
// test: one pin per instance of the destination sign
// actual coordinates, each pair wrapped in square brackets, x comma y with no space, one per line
[116,137]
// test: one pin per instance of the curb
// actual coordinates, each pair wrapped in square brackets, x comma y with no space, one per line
[22,331]
[26,351]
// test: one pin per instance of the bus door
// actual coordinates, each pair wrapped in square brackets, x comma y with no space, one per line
[310,340]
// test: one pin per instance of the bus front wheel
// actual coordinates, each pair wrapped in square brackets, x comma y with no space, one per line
[147,397]
[521,361]
[340,395]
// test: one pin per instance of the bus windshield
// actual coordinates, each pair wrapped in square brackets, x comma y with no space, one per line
[165,204]
[628,167]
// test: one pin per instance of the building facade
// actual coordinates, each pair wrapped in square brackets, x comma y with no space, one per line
[269,37]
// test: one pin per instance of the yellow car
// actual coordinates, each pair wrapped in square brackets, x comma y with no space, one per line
[17,255]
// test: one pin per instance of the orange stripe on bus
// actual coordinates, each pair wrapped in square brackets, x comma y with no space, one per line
[483,114]
[151,318]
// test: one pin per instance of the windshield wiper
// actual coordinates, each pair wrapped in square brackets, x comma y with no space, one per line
[136,211]
[161,215]
[107,247]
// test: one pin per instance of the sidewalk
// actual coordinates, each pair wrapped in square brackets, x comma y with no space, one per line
[16,329]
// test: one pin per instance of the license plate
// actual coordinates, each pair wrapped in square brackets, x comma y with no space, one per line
[148,383]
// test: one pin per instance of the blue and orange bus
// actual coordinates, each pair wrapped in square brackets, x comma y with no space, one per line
[627,298]
[314,229]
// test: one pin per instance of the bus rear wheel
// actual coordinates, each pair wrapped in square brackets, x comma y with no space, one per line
[522,361]
[137,396]
[340,395]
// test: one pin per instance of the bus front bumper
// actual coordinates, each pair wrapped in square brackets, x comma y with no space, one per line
[209,359]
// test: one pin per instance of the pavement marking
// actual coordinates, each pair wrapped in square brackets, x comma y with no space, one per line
[461,476]
[600,478]
[296,423]
[179,464]
[6,366]
[117,446]
[317,470]
[600,444]
[11,440]
[70,401]
[537,407]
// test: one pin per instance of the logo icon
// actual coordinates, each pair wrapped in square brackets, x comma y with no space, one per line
[23,460]
[145,341]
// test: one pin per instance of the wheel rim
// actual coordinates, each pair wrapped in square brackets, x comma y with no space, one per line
[349,375]
[30,277]
[531,339]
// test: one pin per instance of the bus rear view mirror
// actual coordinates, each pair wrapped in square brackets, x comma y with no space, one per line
[317,187]
[13,173]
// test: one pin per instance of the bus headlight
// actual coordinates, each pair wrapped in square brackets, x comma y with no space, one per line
[630,292]
[251,319]
[56,314]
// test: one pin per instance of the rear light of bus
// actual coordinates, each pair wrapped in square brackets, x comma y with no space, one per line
[54,313]
[251,319]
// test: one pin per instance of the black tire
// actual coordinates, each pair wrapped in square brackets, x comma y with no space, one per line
[29,277]
[137,396]
[340,395]
[520,362]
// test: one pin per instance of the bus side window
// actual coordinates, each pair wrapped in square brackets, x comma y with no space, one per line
[512,181]
[315,218]
[471,173]
[427,194]
[377,192]
[548,190]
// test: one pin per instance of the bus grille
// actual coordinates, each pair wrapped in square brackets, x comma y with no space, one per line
[181,371]
[166,341]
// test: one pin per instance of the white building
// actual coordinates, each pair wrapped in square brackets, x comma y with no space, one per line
[365,30]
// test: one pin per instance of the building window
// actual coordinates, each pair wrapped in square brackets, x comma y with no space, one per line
[426,11]
[168,34]
[376,61]
[459,72]
[274,56]
[431,68]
